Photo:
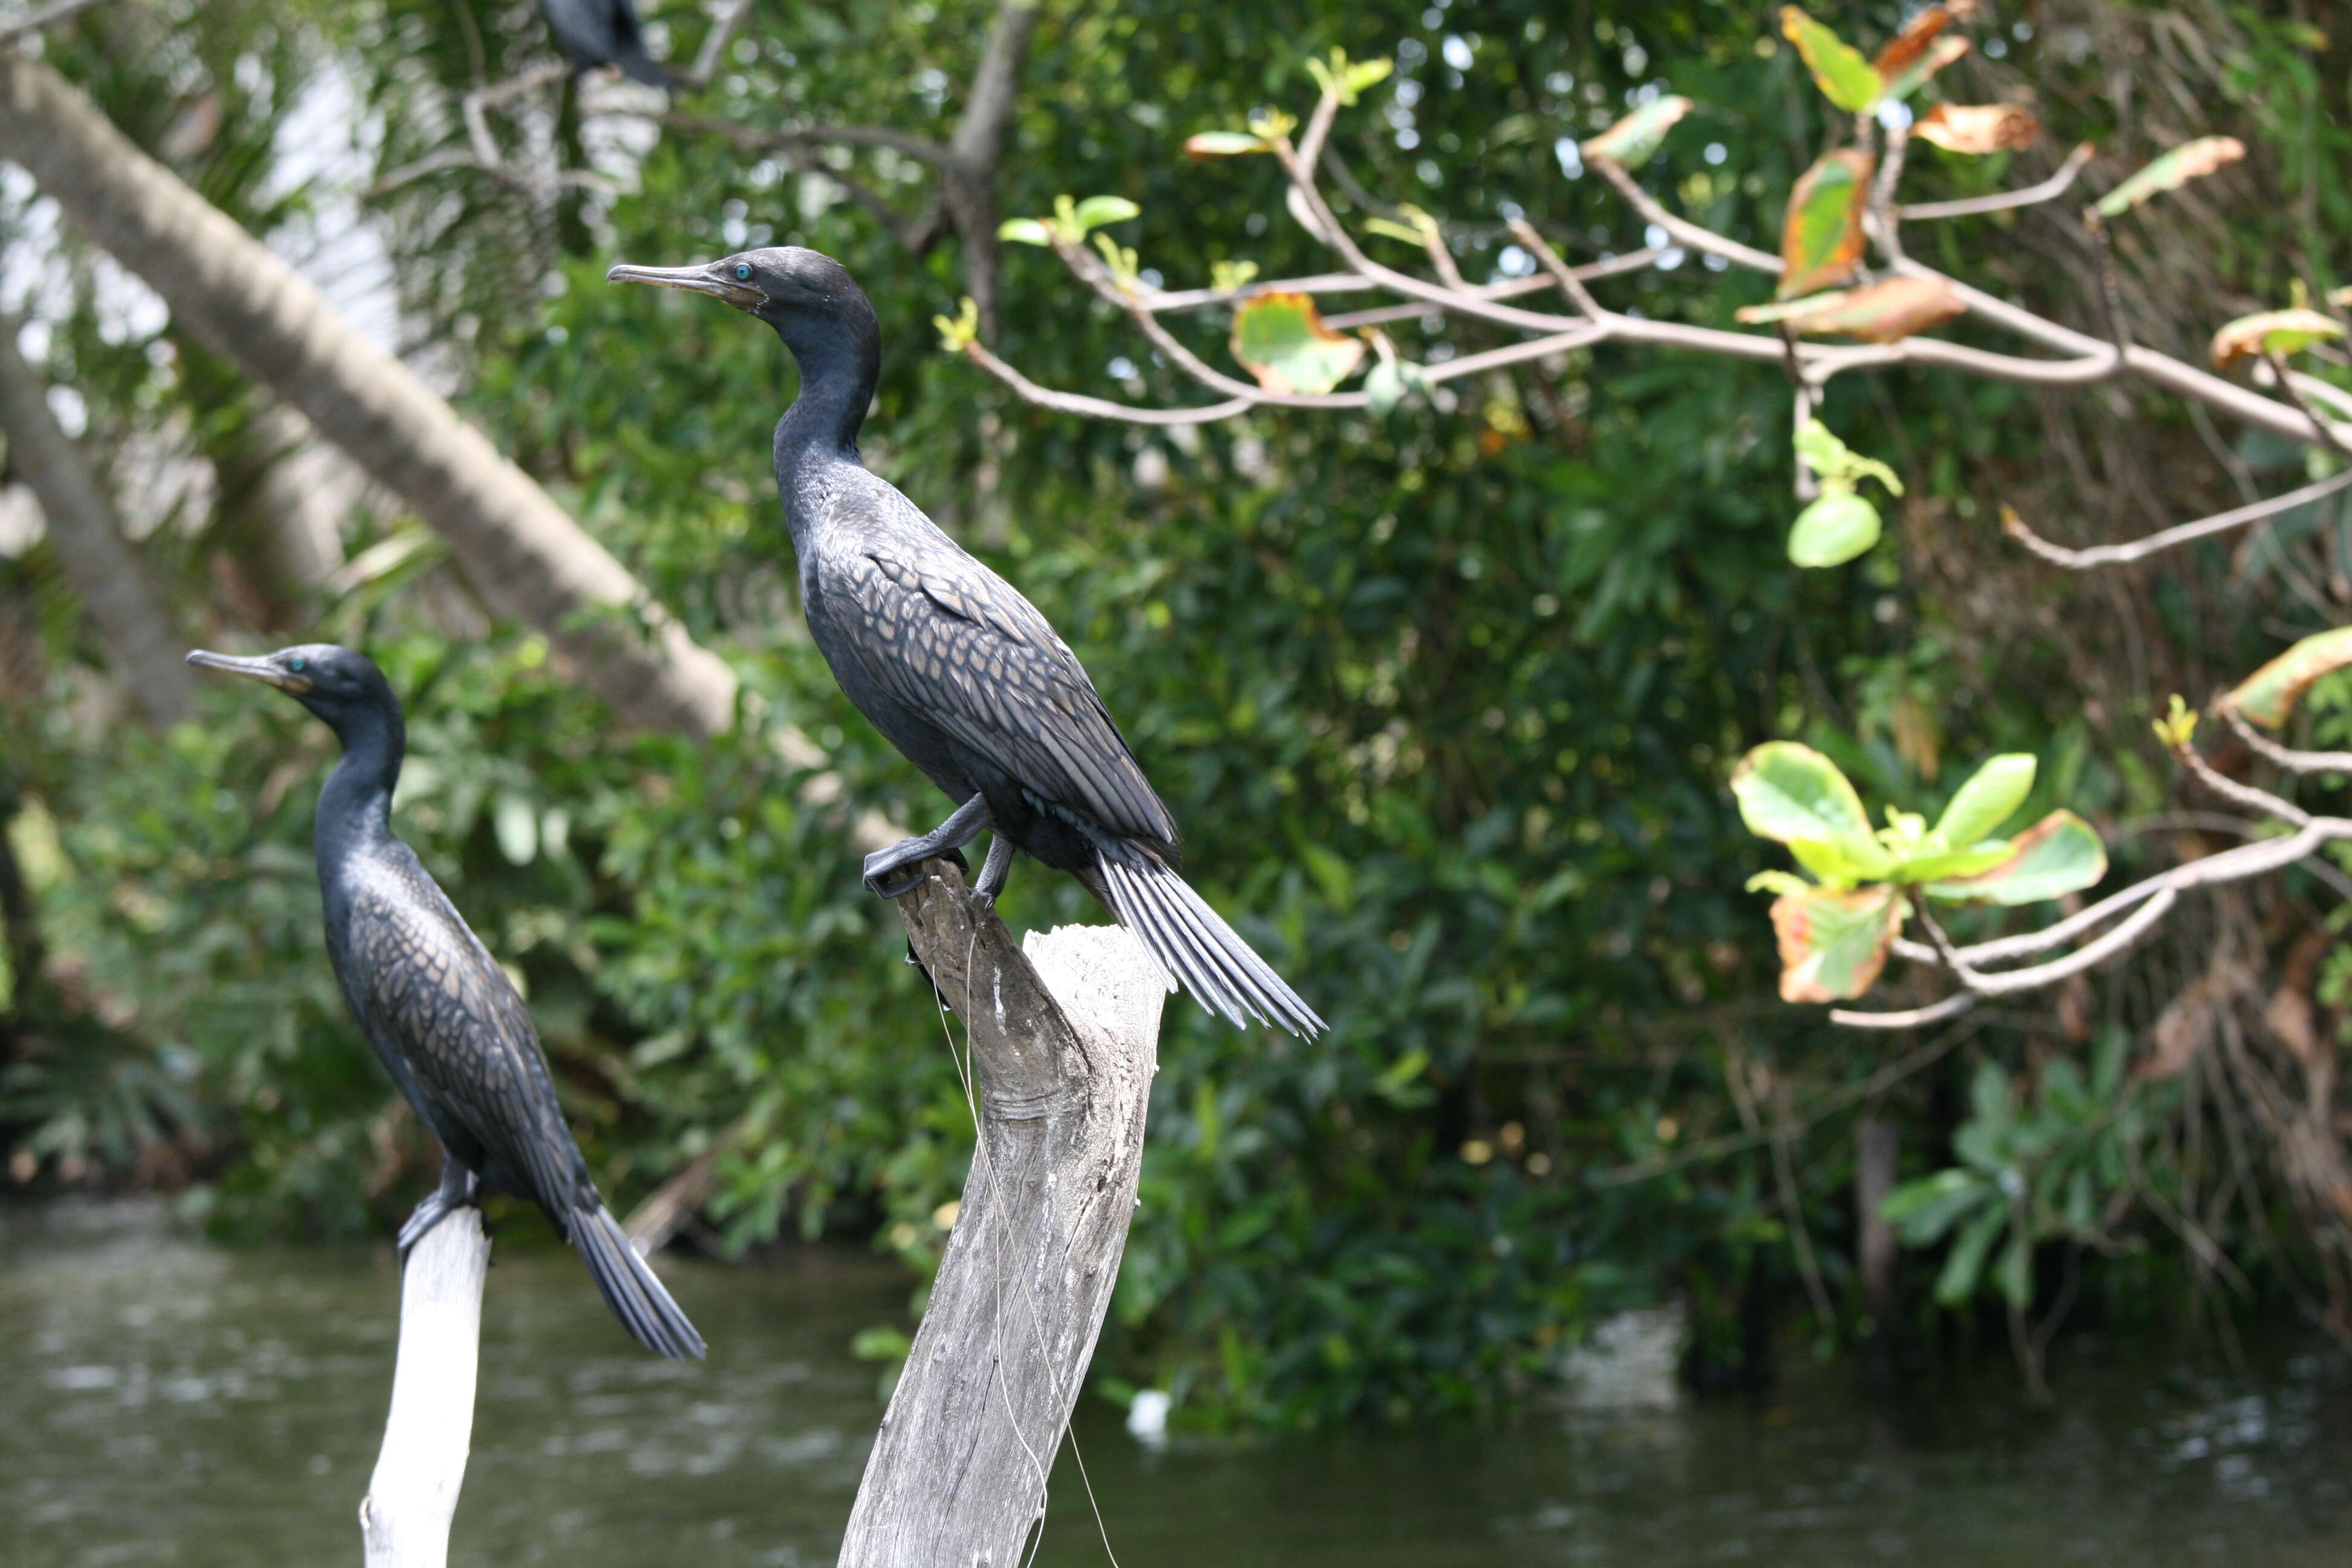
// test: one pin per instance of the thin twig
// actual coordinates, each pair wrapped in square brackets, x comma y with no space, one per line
[1688,233]
[714,44]
[2246,795]
[1558,269]
[2181,534]
[2286,757]
[2056,185]
[2333,439]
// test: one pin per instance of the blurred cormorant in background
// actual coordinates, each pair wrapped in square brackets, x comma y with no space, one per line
[440,1011]
[597,33]
[954,667]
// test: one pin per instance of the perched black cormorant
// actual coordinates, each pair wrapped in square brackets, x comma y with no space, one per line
[954,667]
[440,1011]
[597,33]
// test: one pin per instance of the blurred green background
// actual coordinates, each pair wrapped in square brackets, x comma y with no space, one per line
[1445,701]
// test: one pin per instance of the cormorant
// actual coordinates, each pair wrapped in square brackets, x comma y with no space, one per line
[596,33]
[954,667]
[441,1013]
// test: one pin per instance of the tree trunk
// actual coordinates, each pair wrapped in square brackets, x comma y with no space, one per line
[413,1495]
[526,555]
[103,570]
[968,175]
[1875,1146]
[1063,1042]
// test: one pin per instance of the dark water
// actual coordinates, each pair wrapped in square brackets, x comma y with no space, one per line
[163,1401]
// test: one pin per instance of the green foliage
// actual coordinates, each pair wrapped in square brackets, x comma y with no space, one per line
[2029,1175]
[1443,695]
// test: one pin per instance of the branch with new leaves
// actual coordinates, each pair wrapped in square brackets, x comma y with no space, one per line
[1838,925]
[1839,211]
[1841,272]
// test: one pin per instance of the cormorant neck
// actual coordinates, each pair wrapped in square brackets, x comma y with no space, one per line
[840,358]
[356,803]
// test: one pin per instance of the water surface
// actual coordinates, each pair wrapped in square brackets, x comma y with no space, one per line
[163,1400]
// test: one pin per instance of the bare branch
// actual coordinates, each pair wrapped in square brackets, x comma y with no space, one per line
[1951,1007]
[2051,189]
[1682,229]
[2334,437]
[2244,794]
[1099,407]
[807,137]
[1631,261]
[2286,757]
[2182,533]
[1560,271]
[714,45]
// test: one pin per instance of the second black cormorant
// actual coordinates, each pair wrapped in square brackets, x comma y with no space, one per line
[597,33]
[954,667]
[441,1013]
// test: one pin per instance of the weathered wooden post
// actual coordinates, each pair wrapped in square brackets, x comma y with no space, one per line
[1064,1034]
[413,1495]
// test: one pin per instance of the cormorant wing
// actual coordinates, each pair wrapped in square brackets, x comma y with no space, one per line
[427,981]
[961,646]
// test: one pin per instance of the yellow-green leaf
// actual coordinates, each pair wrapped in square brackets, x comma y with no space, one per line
[2058,855]
[2174,169]
[1832,944]
[1792,795]
[1282,341]
[1844,78]
[1024,231]
[1225,144]
[2272,333]
[1822,238]
[1632,139]
[2268,695]
[1990,798]
[1833,530]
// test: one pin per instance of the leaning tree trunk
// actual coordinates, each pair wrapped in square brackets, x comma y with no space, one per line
[103,569]
[1064,1035]
[527,557]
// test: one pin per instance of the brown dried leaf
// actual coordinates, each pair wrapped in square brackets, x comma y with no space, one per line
[1878,313]
[1908,47]
[1978,128]
[2273,331]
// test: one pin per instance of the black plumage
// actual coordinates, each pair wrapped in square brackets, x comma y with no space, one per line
[597,33]
[440,1013]
[954,667]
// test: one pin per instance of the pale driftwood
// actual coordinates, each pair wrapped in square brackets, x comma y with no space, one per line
[525,554]
[413,1495]
[1063,1040]
[103,569]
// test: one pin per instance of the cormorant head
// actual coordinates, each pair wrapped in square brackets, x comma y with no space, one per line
[780,284]
[341,687]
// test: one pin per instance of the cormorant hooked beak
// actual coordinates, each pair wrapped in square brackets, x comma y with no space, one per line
[706,279]
[268,671]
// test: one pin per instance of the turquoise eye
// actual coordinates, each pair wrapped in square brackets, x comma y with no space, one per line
[297,665]
[743,270]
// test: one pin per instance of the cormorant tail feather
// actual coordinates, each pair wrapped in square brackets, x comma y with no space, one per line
[631,1288]
[1193,946]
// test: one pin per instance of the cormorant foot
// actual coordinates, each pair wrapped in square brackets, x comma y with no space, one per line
[994,870]
[438,1206]
[891,875]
